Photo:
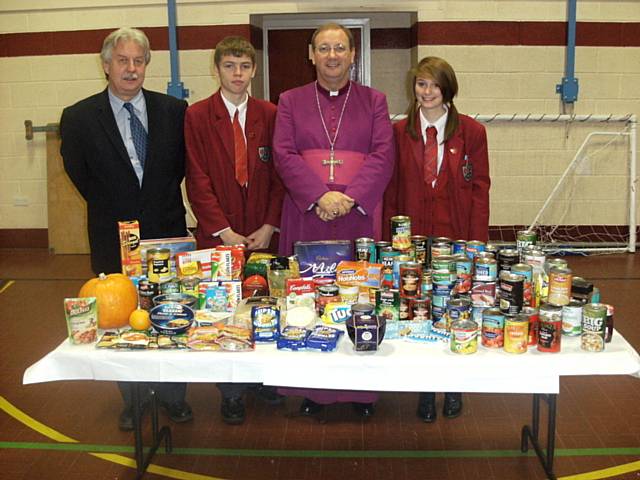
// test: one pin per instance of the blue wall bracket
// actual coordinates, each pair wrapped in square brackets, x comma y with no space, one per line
[568,89]
[175,87]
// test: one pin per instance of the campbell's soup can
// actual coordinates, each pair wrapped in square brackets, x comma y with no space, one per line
[533,315]
[559,286]
[594,327]
[506,258]
[464,336]
[400,232]
[474,247]
[511,292]
[492,328]
[420,245]
[572,319]
[516,333]
[365,250]
[549,328]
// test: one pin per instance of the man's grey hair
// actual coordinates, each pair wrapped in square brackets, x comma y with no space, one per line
[126,34]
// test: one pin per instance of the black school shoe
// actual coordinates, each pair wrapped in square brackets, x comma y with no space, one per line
[309,407]
[232,410]
[178,412]
[452,405]
[269,395]
[427,408]
[365,410]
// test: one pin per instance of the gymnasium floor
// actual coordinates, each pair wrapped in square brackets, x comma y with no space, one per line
[68,430]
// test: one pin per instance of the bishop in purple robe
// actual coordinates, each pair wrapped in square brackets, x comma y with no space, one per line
[334,151]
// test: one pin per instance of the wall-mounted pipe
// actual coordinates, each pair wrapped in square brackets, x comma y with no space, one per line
[568,89]
[175,87]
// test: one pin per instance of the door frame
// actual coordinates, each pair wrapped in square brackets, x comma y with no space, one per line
[288,22]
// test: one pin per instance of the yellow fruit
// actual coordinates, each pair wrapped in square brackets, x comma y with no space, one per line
[139,319]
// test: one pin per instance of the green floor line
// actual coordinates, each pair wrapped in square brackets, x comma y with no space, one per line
[228,452]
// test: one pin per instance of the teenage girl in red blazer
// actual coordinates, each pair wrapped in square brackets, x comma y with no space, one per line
[454,200]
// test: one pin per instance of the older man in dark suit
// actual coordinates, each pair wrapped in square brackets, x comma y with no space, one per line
[123,148]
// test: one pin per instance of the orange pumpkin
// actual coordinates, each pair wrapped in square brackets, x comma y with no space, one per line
[116,298]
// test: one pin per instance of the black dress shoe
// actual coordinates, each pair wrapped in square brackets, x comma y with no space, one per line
[178,412]
[125,420]
[452,405]
[309,407]
[232,410]
[269,395]
[427,408]
[364,409]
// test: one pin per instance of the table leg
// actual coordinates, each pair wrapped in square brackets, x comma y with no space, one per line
[531,434]
[163,433]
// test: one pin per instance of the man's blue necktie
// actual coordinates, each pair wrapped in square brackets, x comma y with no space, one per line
[138,134]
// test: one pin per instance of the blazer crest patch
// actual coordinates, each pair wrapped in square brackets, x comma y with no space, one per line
[264,153]
[467,169]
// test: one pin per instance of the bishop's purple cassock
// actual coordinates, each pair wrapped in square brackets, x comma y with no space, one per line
[364,144]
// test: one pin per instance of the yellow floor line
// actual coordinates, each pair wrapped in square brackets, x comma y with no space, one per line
[7,285]
[49,432]
[606,472]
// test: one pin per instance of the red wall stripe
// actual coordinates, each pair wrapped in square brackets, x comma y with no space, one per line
[596,34]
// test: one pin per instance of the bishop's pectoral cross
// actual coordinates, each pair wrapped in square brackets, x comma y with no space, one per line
[331,162]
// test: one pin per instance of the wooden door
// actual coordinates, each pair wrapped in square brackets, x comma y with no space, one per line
[289,64]
[67,210]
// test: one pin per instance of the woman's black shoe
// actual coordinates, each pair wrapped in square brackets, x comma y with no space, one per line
[452,405]
[232,410]
[309,407]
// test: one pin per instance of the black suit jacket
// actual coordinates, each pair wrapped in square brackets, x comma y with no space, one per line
[96,160]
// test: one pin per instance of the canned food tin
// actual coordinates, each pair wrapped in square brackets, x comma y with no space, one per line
[173,285]
[511,292]
[420,311]
[189,285]
[581,290]
[379,246]
[427,282]
[440,249]
[458,309]
[443,270]
[534,257]
[405,308]
[400,232]
[559,286]
[527,272]
[516,332]
[420,247]
[438,300]
[525,238]
[549,328]
[534,315]
[349,294]
[464,273]
[572,319]
[439,317]
[360,309]
[397,262]
[146,291]
[387,258]
[365,249]
[610,311]
[464,337]
[410,279]
[492,328]
[158,269]
[474,247]
[459,247]
[483,294]
[326,294]
[506,258]
[486,270]
[594,326]
[476,313]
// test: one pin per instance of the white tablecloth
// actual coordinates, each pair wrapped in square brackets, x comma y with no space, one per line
[397,366]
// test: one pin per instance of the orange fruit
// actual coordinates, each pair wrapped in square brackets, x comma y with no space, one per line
[139,319]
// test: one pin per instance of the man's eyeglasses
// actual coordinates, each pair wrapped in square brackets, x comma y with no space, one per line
[324,49]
